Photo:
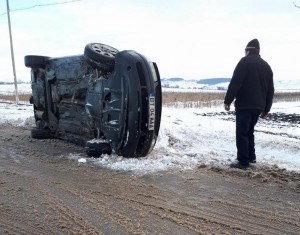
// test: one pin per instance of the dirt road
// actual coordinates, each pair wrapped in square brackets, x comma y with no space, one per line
[44,192]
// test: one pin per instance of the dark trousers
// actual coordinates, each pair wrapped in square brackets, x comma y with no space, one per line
[245,123]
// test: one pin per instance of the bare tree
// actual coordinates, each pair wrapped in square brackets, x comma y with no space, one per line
[296,5]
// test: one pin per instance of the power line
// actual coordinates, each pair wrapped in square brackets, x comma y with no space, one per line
[40,5]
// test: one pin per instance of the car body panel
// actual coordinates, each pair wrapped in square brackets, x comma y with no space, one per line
[78,103]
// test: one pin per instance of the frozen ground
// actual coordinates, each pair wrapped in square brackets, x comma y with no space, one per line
[190,138]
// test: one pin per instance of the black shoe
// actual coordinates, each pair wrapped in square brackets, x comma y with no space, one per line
[239,166]
[252,161]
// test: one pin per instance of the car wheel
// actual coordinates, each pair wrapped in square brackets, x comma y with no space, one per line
[37,133]
[96,149]
[35,61]
[100,56]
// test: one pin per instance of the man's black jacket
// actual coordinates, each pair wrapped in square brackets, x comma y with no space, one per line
[251,84]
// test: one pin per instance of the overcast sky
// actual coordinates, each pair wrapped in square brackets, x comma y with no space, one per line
[192,39]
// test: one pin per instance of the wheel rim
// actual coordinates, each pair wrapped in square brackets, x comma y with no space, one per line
[104,50]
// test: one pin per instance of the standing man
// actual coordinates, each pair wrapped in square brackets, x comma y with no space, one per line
[252,88]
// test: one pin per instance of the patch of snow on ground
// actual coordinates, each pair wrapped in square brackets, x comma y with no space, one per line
[16,114]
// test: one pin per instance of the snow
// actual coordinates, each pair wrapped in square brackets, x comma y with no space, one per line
[19,115]
[194,86]
[286,107]
[82,160]
[23,88]
[188,138]
[175,86]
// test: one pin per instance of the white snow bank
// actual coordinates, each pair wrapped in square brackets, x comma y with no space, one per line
[187,139]
[16,114]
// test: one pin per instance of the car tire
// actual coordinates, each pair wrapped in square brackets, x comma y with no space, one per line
[100,56]
[38,133]
[146,145]
[96,149]
[35,61]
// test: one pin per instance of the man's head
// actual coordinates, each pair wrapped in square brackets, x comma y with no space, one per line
[252,47]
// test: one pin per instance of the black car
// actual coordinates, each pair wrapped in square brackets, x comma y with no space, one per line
[105,100]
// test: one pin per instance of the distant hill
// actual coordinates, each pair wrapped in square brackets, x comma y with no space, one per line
[207,81]
[220,84]
[213,81]
[172,79]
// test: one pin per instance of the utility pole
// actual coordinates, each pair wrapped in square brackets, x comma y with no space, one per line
[12,54]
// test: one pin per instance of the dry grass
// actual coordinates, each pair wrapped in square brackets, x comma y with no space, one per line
[287,96]
[11,97]
[192,100]
[210,99]
[187,99]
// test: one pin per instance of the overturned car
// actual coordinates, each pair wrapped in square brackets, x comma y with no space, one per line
[105,100]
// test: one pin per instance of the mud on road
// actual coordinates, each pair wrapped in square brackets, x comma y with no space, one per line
[44,192]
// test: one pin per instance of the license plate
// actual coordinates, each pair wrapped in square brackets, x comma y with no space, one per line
[151,120]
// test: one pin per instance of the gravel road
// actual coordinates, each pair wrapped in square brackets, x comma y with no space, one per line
[42,191]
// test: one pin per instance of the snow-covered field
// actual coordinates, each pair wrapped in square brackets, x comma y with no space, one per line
[194,86]
[23,88]
[175,86]
[190,138]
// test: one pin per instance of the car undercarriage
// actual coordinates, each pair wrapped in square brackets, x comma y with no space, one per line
[105,100]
